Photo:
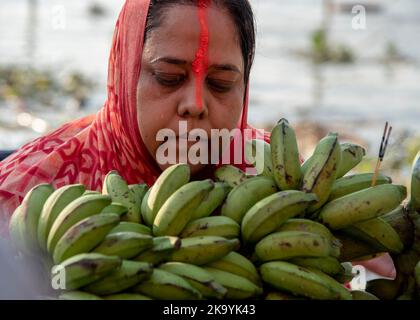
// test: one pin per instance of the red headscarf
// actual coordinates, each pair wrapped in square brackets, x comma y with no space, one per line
[85,150]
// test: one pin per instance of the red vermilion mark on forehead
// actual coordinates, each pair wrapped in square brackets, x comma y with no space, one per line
[200,63]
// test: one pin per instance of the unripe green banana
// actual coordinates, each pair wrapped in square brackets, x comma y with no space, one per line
[84,236]
[204,250]
[91,192]
[125,226]
[128,275]
[363,295]
[302,281]
[197,277]
[351,155]
[85,268]
[281,296]
[212,226]
[124,244]
[231,175]
[162,249]
[168,182]
[146,211]
[321,171]
[258,153]
[164,285]
[377,233]
[353,249]
[306,226]
[17,238]
[270,213]
[127,296]
[237,287]
[117,188]
[237,264]
[55,203]
[415,184]
[29,214]
[177,211]
[138,191]
[399,220]
[117,208]
[78,295]
[354,183]
[212,201]
[327,265]
[285,156]
[245,195]
[362,205]
[74,212]
[290,244]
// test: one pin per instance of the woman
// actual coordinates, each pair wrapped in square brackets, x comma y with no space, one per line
[171,61]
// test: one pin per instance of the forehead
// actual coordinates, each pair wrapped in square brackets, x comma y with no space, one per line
[178,35]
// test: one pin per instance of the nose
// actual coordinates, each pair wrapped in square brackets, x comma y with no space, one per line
[189,105]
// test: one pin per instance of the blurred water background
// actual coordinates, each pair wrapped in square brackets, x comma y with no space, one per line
[312,67]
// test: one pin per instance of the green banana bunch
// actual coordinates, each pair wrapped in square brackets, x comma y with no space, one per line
[203,250]
[237,287]
[415,184]
[320,174]
[327,265]
[55,203]
[306,225]
[212,226]
[245,195]
[260,160]
[168,182]
[177,211]
[302,281]
[166,285]
[117,188]
[125,226]
[117,208]
[285,156]
[124,244]
[78,295]
[354,183]
[127,296]
[74,212]
[290,244]
[85,268]
[16,237]
[230,175]
[363,295]
[212,201]
[351,156]
[84,236]
[197,277]
[138,190]
[128,275]
[27,217]
[270,213]
[377,233]
[400,221]
[362,205]
[162,249]
[237,264]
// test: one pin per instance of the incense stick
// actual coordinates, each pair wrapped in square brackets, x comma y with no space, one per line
[382,151]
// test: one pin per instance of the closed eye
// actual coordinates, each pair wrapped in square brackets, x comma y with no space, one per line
[168,79]
[221,86]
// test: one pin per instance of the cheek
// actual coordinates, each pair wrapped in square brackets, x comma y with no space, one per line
[226,114]
[153,114]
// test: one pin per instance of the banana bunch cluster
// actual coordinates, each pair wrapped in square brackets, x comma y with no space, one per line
[285,233]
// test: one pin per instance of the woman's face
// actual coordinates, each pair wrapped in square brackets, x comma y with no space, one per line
[166,92]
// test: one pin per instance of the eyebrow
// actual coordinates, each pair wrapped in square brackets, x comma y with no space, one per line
[171,60]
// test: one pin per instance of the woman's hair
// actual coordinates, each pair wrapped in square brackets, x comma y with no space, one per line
[239,10]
